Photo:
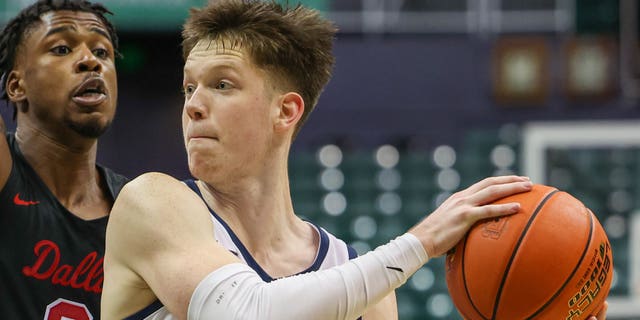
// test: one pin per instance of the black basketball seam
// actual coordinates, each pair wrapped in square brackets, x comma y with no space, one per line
[584,253]
[464,280]
[515,250]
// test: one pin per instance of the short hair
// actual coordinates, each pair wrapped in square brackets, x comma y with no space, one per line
[293,43]
[13,33]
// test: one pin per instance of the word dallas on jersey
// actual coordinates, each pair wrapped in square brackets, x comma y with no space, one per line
[88,275]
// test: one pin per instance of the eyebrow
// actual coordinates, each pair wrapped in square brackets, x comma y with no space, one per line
[63,29]
[224,69]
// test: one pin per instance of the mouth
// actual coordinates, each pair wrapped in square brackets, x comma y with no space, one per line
[90,93]
[193,136]
[196,138]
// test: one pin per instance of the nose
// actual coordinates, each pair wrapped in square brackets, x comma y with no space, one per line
[88,62]
[195,107]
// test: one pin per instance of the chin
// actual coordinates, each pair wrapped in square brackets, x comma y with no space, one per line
[201,170]
[199,175]
[90,129]
[196,171]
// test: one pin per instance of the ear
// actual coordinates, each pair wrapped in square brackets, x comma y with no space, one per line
[15,87]
[291,110]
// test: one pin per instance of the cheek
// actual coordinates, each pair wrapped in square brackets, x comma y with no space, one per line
[185,122]
[185,126]
[247,129]
[43,94]
[112,83]
[48,82]
[256,122]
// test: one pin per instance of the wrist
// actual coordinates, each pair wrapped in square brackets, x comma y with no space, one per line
[418,245]
[426,242]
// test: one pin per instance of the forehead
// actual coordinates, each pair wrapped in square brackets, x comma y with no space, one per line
[71,21]
[218,47]
[207,52]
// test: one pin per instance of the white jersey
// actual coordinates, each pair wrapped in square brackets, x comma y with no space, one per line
[331,252]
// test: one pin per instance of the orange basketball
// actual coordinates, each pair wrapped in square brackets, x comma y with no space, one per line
[551,260]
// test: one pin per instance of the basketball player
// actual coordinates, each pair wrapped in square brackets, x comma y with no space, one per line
[228,245]
[57,66]
[260,226]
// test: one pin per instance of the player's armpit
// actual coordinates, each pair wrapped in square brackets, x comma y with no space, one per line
[161,231]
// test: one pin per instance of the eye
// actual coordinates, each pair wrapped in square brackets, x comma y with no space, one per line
[223,85]
[188,90]
[61,50]
[101,53]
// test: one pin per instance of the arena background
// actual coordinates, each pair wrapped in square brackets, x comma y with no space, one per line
[427,97]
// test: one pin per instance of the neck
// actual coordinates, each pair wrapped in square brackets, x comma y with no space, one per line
[67,168]
[259,210]
[255,201]
[254,197]
[280,242]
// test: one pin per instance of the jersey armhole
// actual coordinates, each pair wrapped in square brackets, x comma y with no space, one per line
[352,252]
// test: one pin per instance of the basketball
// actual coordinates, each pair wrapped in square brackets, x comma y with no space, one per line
[551,260]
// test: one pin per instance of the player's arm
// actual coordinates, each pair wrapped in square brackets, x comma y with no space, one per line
[165,236]
[5,155]
[160,231]
[386,309]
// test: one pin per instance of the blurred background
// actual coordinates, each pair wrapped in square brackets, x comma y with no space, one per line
[428,96]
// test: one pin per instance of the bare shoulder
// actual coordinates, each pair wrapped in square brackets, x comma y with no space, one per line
[154,209]
[149,192]
[158,230]
[138,197]
[135,234]
[148,183]
[5,155]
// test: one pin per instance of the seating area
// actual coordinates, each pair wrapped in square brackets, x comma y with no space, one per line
[368,197]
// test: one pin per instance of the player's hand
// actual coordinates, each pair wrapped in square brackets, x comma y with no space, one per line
[443,228]
[602,315]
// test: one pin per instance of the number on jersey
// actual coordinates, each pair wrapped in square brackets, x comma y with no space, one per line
[63,309]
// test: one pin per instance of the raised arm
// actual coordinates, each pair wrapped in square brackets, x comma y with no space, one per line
[5,155]
[162,233]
